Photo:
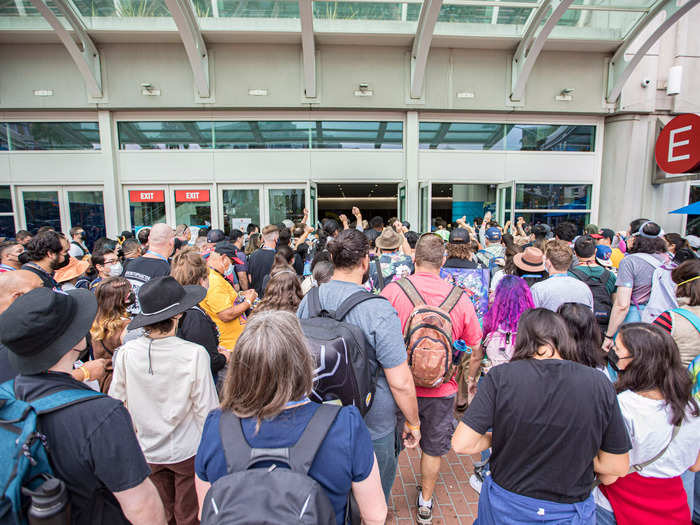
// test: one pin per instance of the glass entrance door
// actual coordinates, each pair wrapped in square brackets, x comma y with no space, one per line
[240,206]
[41,207]
[401,211]
[504,202]
[285,203]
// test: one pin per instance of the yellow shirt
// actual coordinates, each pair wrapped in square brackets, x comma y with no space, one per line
[616,256]
[221,296]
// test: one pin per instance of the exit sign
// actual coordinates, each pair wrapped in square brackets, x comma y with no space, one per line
[147,196]
[191,195]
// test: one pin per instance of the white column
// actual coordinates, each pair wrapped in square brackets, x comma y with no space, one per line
[411,170]
[114,220]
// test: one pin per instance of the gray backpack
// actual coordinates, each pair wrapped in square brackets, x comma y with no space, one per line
[272,494]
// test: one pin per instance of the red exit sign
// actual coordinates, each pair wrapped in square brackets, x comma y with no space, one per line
[147,196]
[191,195]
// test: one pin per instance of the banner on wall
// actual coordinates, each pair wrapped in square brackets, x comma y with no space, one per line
[240,224]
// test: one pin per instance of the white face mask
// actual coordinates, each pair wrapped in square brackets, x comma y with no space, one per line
[115,270]
[229,270]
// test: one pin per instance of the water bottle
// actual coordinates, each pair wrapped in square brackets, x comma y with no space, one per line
[459,349]
[50,504]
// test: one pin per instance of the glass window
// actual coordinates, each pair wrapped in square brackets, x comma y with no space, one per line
[358,11]
[246,9]
[555,217]
[5,200]
[241,207]
[545,137]
[41,209]
[146,208]
[402,203]
[3,137]
[37,136]
[87,210]
[313,200]
[193,208]
[553,196]
[693,221]
[424,207]
[122,8]
[461,135]
[7,226]
[286,204]
[165,135]
[357,135]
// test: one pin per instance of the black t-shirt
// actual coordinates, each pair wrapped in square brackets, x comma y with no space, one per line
[47,280]
[456,262]
[259,265]
[197,327]
[92,448]
[549,418]
[141,270]
[7,372]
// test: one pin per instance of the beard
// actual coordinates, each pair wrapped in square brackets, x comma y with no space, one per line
[55,265]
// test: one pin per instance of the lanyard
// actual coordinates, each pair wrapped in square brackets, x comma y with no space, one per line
[6,267]
[293,404]
[149,252]
[558,275]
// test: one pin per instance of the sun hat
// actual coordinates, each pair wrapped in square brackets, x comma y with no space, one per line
[531,260]
[41,326]
[163,298]
[459,236]
[74,269]
[603,254]
[493,234]
[389,240]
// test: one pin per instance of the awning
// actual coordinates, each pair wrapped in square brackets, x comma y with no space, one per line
[691,209]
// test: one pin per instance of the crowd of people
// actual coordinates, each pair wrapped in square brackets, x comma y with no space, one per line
[300,360]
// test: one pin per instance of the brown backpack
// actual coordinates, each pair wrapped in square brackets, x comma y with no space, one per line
[428,337]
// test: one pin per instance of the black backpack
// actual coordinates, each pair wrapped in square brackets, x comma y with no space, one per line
[602,300]
[346,364]
[274,494]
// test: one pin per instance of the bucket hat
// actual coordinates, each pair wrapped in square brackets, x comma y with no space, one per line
[389,240]
[531,260]
[163,298]
[41,326]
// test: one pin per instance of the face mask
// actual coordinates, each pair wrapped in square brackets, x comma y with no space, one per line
[115,270]
[613,359]
[229,270]
[55,265]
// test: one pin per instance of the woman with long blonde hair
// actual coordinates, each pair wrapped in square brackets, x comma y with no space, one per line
[114,295]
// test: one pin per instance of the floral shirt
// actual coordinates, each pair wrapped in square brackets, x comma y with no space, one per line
[394,266]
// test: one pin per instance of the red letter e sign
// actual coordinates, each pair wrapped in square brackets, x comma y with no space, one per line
[678,145]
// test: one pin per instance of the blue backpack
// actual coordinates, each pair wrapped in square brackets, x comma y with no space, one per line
[23,448]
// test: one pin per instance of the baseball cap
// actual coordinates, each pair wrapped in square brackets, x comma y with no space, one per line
[602,255]
[459,236]
[493,234]
[215,236]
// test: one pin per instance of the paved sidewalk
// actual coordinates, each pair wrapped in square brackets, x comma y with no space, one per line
[454,502]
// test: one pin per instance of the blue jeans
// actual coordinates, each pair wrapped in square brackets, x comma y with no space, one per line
[696,506]
[604,517]
[387,461]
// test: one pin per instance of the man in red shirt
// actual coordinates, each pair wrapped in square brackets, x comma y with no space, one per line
[435,405]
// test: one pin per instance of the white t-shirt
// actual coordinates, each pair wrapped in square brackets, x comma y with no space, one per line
[648,424]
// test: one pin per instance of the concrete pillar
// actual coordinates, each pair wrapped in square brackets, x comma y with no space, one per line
[114,211]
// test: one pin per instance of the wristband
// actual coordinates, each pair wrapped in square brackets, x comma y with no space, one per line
[606,336]
[413,427]
[86,373]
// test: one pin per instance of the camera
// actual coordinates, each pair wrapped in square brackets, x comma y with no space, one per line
[646,82]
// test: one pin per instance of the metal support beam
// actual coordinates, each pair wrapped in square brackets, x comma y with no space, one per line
[86,59]
[534,38]
[188,27]
[308,47]
[620,69]
[421,44]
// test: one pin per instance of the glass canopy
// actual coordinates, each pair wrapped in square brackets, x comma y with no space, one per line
[584,20]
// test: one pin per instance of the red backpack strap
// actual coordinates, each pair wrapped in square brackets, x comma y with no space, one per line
[452,299]
[410,290]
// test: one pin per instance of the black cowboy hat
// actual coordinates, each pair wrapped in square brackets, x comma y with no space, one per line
[41,326]
[163,298]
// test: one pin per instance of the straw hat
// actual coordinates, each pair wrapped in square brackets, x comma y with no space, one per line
[531,260]
[389,240]
[75,268]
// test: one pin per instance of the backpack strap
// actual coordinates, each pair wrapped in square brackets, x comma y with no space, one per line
[304,451]
[351,302]
[649,258]
[380,276]
[689,316]
[605,277]
[578,274]
[411,291]
[452,299]
[62,398]
[641,466]
[314,302]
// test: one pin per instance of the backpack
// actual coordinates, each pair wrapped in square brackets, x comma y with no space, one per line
[25,464]
[428,336]
[663,289]
[474,282]
[602,300]
[491,261]
[499,346]
[274,494]
[346,364]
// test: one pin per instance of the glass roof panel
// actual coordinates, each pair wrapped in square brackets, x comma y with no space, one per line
[246,8]
[24,8]
[122,8]
[360,11]
[598,24]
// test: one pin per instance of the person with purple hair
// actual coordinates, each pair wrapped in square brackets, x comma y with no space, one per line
[511,299]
